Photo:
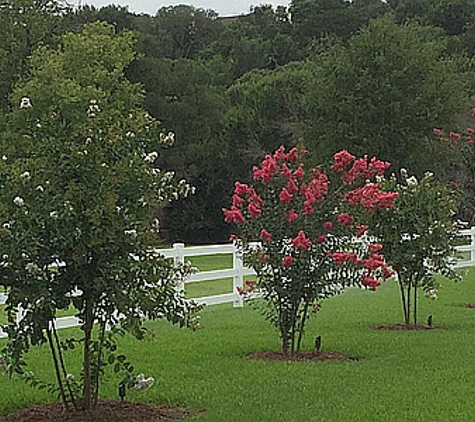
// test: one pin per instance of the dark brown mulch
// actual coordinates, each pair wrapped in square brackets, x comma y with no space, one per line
[407,327]
[302,356]
[106,411]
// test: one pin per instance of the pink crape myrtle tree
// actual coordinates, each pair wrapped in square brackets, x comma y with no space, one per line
[310,245]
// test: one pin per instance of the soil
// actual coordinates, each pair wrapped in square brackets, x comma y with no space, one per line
[407,327]
[105,411]
[302,356]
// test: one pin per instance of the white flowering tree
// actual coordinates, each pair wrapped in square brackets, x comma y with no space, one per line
[418,235]
[78,193]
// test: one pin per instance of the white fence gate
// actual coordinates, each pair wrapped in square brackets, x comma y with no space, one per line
[179,253]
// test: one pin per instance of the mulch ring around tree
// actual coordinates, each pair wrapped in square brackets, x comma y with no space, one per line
[105,411]
[301,356]
[408,327]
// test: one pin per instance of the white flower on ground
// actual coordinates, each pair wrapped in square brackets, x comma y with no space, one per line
[53,214]
[70,377]
[431,294]
[19,201]
[25,102]
[141,383]
[412,181]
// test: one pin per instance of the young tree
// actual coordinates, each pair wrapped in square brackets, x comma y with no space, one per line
[308,250]
[418,236]
[78,195]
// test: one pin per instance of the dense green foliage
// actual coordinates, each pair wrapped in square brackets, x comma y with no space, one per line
[371,76]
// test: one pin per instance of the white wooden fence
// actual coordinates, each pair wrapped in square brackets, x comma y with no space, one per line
[180,253]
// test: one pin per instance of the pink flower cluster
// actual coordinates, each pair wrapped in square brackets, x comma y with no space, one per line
[371,265]
[242,194]
[371,197]
[316,191]
[301,241]
[360,170]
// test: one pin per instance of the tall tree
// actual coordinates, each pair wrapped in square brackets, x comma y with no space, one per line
[383,94]
[79,193]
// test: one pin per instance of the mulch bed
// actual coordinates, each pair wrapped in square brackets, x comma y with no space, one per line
[302,356]
[407,327]
[105,411]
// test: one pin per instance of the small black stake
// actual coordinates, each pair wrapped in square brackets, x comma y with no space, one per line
[318,343]
[122,391]
[429,321]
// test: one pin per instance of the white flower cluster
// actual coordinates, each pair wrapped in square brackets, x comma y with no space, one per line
[25,102]
[18,201]
[141,383]
[93,109]
[151,157]
[167,139]
[431,294]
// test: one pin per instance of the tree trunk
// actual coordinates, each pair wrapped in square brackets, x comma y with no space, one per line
[57,370]
[302,326]
[87,327]
[415,304]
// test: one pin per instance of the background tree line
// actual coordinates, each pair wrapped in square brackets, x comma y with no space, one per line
[371,76]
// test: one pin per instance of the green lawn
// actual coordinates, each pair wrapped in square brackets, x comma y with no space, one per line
[399,376]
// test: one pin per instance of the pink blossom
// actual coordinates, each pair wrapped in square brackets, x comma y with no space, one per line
[371,197]
[299,173]
[292,156]
[266,236]
[238,202]
[454,185]
[291,216]
[286,172]
[341,160]
[436,131]
[371,282]
[345,219]
[292,187]
[254,211]
[233,216]
[328,225]
[279,154]
[288,261]
[285,196]
[241,189]
[375,247]
[301,241]
[341,257]
[321,239]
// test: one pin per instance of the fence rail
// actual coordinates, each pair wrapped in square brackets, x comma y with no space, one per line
[179,253]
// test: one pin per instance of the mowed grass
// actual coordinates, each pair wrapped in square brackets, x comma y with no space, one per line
[398,375]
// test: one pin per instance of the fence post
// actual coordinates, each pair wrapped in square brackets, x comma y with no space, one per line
[179,259]
[238,279]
